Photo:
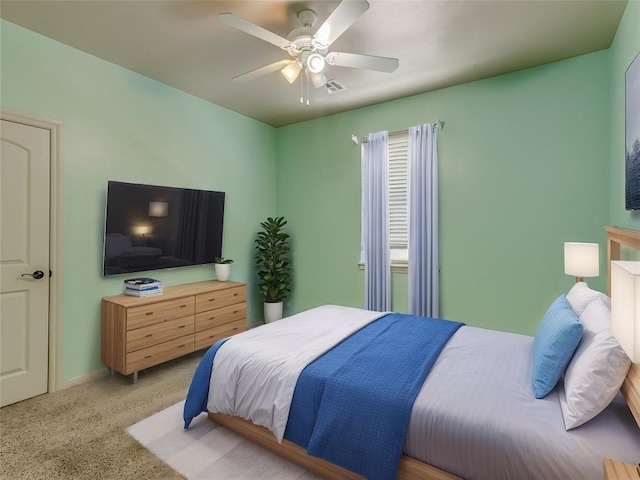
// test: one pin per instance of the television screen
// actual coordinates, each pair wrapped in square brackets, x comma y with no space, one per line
[632,135]
[150,227]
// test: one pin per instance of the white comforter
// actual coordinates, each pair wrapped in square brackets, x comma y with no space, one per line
[265,369]
[476,415]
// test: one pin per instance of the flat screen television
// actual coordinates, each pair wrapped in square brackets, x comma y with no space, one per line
[150,227]
[632,135]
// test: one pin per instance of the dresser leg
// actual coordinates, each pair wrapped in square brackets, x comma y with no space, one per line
[135,377]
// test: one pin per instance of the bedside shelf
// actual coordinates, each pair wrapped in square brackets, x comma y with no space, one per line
[614,470]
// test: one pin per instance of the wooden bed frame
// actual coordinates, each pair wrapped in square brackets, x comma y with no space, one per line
[617,237]
[410,468]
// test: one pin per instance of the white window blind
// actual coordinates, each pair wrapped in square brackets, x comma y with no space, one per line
[398,152]
[398,199]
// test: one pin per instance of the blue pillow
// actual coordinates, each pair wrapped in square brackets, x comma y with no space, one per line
[558,336]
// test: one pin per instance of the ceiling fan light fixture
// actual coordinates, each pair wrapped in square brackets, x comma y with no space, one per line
[315,63]
[291,71]
[317,79]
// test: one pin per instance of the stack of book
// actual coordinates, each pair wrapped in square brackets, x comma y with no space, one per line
[142,287]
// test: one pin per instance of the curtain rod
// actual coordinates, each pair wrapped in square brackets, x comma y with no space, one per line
[437,124]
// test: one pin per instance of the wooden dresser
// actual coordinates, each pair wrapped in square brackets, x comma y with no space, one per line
[138,333]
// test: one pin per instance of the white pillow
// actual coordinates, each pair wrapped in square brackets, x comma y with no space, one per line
[596,371]
[580,296]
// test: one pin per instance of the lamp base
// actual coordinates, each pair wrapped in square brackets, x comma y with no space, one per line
[579,279]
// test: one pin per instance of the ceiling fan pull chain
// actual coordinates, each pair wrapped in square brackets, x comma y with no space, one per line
[301,81]
[307,92]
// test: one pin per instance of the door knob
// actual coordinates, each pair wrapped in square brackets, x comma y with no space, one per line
[38,274]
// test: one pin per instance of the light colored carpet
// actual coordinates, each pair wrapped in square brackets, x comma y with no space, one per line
[79,432]
[209,451]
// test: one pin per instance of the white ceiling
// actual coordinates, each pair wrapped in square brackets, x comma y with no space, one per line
[439,43]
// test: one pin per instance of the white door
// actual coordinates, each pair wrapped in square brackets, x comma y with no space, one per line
[24,249]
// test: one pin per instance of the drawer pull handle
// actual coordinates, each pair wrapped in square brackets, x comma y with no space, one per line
[148,356]
[149,335]
[183,306]
[235,311]
[212,299]
[182,326]
[235,294]
[235,328]
[182,346]
[149,313]
[212,318]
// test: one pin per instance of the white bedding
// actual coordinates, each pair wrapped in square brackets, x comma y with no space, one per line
[264,363]
[476,415]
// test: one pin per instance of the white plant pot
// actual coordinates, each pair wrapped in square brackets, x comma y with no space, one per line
[272,312]
[222,271]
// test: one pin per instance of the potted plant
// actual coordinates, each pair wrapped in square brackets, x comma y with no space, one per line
[223,268]
[273,266]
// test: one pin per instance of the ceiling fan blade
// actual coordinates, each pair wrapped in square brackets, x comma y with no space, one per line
[345,15]
[258,72]
[367,62]
[253,29]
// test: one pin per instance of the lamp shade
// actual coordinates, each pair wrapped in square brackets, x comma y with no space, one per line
[582,259]
[291,71]
[158,209]
[141,229]
[315,63]
[625,306]
[317,79]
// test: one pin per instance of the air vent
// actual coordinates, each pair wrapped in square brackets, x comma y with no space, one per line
[334,86]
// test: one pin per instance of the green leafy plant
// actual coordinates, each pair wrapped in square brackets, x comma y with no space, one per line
[272,260]
[222,260]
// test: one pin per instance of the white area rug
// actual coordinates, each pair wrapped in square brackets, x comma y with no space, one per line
[208,451]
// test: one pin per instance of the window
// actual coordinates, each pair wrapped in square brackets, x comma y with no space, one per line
[398,152]
[398,147]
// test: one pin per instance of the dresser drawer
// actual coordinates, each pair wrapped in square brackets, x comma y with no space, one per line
[162,352]
[139,333]
[158,333]
[220,298]
[220,316]
[138,317]
[208,337]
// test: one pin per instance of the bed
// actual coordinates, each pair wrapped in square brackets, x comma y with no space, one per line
[500,431]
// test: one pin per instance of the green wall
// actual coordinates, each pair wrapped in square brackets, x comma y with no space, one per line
[624,49]
[527,161]
[521,171]
[118,125]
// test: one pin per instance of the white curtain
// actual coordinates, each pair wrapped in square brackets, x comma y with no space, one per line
[375,231]
[423,221]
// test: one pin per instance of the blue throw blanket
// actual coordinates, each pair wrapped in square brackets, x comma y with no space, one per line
[196,401]
[352,405]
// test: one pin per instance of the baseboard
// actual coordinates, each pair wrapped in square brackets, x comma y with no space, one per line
[85,378]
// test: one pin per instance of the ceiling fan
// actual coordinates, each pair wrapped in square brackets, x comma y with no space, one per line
[309,46]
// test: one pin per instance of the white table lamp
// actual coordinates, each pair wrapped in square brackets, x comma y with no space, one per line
[141,230]
[625,306]
[581,260]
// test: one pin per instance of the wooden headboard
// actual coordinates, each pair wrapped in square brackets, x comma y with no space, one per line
[617,237]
